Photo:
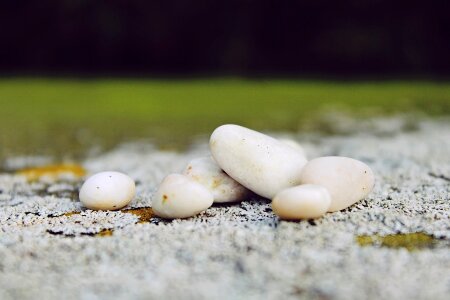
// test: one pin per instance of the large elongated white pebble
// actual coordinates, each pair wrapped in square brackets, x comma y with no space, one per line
[306,201]
[347,180]
[179,196]
[107,191]
[255,160]
[207,172]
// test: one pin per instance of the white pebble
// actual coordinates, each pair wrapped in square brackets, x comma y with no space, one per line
[306,201]
[347,180]
[107,191]
[179,196]
[205,171]
[259,162]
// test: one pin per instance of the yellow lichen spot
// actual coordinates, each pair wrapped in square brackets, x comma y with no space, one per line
[144,213]
[52,171]
[409,241]
[71,213]
[105,232]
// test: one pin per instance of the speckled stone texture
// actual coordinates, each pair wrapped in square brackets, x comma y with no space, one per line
[237,251]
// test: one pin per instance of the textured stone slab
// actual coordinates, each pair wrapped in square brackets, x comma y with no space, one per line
[242,250]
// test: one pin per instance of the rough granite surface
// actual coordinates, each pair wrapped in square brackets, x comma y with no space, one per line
[242,250]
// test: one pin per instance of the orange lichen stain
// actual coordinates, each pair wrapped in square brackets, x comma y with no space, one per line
[105,232]
[144,213]
[52,171]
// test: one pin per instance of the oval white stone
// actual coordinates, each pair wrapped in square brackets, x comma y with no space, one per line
[306,201]
[347,180]
[259,162]
[107,191]
[207,172]
[179,196]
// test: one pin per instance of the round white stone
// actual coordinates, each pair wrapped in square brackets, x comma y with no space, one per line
[107,191]
[179,196]
[347,180]
[306,201]
[259,162]
[207,172]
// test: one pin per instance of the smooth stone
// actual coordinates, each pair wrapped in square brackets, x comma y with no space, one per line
[107,191]
[306,201]
[207,172]
[346,179]
[179,196]
[294,144]
[259,162]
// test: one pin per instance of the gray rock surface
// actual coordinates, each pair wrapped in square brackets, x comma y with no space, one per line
[237,251]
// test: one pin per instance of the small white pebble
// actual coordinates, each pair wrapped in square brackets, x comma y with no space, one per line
[179,196]
[207,172]
[346,179]
[306,201]
[107,191]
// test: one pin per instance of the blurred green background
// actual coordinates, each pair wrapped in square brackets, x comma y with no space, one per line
[82,75]
[67,117]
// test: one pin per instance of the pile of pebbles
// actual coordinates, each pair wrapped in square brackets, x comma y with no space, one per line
[244,161]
